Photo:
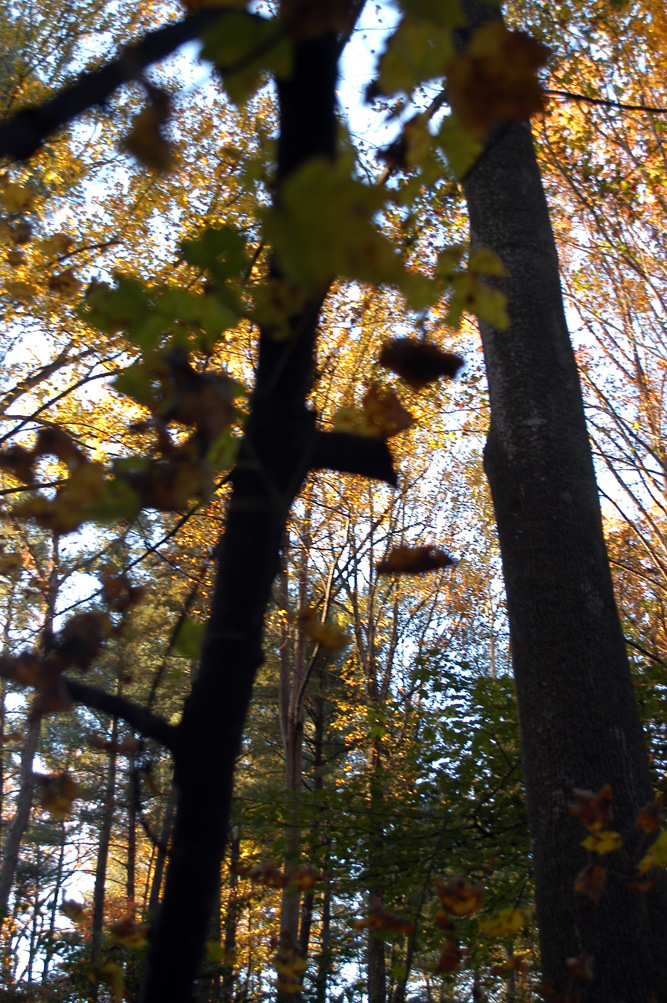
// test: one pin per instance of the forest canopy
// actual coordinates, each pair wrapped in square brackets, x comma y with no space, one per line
[312,681]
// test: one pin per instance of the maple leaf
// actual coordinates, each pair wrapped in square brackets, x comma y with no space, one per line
[414,561]
[330,636]
[655,856]
[130,932]
[459,898]
[650,816]
[594,810]
[496,78]
[109,974]
[603,841]
[418,363]
[383,920]
[590,882]
[504,923]
[57,792]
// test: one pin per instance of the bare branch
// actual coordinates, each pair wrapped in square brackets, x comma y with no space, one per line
[150,725]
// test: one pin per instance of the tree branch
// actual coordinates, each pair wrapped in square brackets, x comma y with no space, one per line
[353,454]
[23,134]
[606,102]
[142,720]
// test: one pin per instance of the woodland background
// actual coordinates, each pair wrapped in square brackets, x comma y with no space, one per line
[375,764]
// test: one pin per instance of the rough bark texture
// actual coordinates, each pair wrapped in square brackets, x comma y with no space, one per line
[579,723]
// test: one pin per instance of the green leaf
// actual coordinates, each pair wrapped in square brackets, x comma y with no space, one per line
[118,502]
[324,227]
[136,382]
[222,453]
[459,147]
[243,47]
[418,50]
[189,639]
[221,250]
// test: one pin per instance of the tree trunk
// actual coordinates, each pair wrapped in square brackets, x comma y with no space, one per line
[579,723]
[22,815]
[103,843]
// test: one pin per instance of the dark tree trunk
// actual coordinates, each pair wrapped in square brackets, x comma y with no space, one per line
[579,723]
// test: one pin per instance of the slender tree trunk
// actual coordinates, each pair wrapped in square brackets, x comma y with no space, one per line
[104,842]
[579,723]
[55,902]
[131,864]
[231,918]
[161,855]
[21,818]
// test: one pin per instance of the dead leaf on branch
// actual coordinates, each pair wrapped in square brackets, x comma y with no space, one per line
[146,140]
[650,816]
[591,881]
[418,363]
[414,561]
[450,956]
[594,810]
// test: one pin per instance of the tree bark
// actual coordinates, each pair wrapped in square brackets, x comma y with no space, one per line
[579,723]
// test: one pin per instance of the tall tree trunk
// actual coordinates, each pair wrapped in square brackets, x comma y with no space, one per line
[579,723]
[131,863]
[21,818]
[104,842]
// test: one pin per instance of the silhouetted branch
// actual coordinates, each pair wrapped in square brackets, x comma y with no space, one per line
[23,134]
[353,454]
[142,720]
[606,102]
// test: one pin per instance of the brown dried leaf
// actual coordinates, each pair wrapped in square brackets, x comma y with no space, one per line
[594,810]
[650,816]
[590,882]
[418,363]
[414,561]
[450,956]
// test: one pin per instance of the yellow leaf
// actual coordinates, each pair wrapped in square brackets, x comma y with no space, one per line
[329,635]
[655,856]
[16,197]
[23,291]
[57,792]
[73,910]
[504,923]
[602,842]
[130,933]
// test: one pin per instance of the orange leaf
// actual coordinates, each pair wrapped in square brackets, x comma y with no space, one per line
[385,413]
[458,898]
[650,816]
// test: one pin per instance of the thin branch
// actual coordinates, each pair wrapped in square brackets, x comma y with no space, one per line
[150,725]
[606,102]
